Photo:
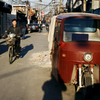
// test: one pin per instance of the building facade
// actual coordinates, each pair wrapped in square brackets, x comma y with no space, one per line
[5,9]
[82,5]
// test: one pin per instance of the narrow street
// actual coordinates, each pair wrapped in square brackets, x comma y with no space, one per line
[28,78]
[74,39]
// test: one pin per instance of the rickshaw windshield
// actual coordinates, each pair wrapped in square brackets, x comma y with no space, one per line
[80,25]
[81,29]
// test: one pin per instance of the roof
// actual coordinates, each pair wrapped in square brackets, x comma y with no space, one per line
[67,15]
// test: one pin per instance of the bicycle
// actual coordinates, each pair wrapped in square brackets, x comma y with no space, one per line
[11,39]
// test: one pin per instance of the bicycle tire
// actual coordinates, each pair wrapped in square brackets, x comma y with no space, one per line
[10,54]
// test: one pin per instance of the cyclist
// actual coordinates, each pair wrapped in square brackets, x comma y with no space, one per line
[17,30]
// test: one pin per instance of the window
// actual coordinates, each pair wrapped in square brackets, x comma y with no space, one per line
[80,25]
[81,29]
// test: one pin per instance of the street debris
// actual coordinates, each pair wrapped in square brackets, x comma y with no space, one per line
[41,58]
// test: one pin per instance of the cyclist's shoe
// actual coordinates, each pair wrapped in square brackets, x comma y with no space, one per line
[17,56]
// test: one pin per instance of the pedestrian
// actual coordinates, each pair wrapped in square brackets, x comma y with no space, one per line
[23,28]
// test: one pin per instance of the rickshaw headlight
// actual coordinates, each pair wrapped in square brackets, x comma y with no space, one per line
[88,57]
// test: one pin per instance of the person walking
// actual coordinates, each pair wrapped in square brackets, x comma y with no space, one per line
[23,28]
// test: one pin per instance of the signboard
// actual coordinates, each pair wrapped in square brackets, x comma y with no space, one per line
[28,17]
[42,13]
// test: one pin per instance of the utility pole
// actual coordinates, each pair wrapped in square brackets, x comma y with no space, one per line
[58,5]
[40,9]
[84,5]
[27,12]
[53,9]
[71,5]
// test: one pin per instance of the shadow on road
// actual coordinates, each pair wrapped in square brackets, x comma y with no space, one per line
[53,90]
[26,37]
[15,72]
[3,47]
[25,50]
[89,93]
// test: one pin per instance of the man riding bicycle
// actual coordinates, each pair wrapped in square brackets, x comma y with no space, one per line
[17,30]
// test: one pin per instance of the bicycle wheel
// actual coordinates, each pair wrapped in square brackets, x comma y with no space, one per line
[10,54]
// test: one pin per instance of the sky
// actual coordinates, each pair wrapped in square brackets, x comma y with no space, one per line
[35,2]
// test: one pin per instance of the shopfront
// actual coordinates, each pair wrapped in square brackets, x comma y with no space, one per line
[4,10]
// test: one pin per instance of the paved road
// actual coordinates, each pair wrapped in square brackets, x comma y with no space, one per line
[26,80]
[23,80]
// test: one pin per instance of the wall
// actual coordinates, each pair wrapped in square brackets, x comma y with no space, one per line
[10,17]
[6,20]
[4,23]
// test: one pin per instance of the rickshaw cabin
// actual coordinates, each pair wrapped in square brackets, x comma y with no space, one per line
[73,36]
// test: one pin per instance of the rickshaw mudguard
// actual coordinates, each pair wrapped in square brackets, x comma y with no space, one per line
[71,54]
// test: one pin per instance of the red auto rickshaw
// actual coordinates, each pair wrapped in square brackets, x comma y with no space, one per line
[74,42]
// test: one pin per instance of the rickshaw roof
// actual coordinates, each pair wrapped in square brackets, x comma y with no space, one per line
[67,15]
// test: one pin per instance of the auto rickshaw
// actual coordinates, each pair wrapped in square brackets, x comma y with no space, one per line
[74,43]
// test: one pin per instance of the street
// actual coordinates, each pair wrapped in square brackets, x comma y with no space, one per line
[27,78]
[74,42]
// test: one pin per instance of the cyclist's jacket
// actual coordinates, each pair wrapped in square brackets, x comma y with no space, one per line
[16,30]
